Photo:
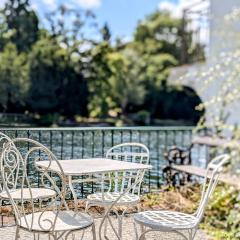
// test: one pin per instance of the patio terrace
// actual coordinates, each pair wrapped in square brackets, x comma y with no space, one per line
[69,143]
[128,233]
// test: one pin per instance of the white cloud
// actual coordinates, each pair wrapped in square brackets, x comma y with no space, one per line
[2,3]
[34,6]
[88,3]
[171,7]
[50,3]
[177,8]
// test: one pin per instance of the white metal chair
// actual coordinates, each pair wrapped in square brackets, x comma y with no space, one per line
[114,184]
[37,193]
[185,225]
[133,184]
[3,140]
[51,217]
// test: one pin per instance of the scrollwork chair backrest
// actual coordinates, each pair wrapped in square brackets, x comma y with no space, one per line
[13,166]
[128,152]
[214,169]
[4,139]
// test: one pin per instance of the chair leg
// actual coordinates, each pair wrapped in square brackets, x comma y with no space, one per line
[94,232]
[73,236]
[105,224]
[17,233]
[120,226]
[135,230]
[192,233]
[190,236]
[134,223]
[87,207]
[142,236]
[138,208]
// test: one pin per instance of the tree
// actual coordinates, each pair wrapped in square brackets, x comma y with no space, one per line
[57,63]
[113,80]
[158,41]
[98,73]
[68,26]
[22,23]
[14,82]
[125,84]
[106,33]
[4,33]
[56,85]
[162,33]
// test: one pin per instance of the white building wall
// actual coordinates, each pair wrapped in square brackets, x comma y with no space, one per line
[224,36]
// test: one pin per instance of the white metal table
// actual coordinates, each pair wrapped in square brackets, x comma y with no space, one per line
[90,166]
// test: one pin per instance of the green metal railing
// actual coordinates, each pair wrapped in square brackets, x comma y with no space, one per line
[70,143]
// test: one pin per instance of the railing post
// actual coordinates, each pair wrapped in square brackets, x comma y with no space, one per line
[82,186]
[72,144]
[62,137]
[39,139]
[112,140]
[158,159]
[149,171]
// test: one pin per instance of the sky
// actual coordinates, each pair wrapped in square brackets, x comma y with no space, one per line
[122,16]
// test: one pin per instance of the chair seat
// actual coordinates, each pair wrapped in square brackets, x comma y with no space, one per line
[110,197]
[65,221]
[37,193]
[166,220]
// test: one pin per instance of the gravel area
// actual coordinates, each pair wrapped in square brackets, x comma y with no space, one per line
[7,233]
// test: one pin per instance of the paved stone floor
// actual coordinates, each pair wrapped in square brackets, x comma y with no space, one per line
[7,233]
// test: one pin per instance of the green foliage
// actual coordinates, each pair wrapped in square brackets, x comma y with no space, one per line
[143,117]
[158,41]
[161,33]
[161,30]
[60,71]
[98,85]
[114,80]
[22,23]
[222,217]
[125,83]
[55,84]
[71,34]
[14,81]
[106,34]
[180,105]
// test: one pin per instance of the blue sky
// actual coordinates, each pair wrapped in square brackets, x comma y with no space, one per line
[121,15]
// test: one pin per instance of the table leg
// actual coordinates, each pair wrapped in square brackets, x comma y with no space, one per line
[73,193]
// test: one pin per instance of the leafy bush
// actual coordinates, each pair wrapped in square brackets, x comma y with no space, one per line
[222,216]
